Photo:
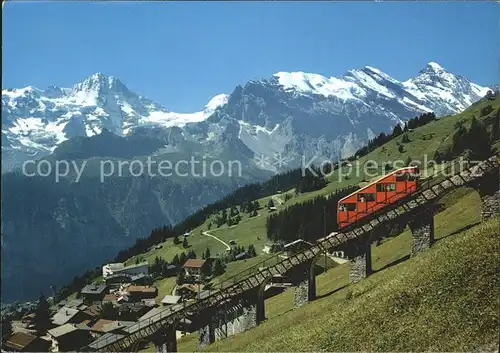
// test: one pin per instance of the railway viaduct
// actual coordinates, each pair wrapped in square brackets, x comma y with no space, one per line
[238,303]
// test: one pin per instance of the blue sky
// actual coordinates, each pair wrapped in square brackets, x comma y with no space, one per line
[181,54]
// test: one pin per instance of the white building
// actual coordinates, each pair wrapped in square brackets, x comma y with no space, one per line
[120,269]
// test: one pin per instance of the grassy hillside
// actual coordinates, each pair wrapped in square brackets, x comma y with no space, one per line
[377,313]
[462,211]
[444,299]
[422,145]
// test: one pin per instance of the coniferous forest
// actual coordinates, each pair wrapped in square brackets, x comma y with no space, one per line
[310,220]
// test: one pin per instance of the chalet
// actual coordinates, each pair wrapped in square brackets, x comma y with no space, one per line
[121,269]
[194,269]
[150,302]
[24,342]
[170,300]
[92,312]
[171,270]
[110,298]
[241,256]
[76,304]
[94,292]
[70,316]
[137,293]
[115,280]
[188,290]
[28,320]
[69,337]
[98,325]
[132,311]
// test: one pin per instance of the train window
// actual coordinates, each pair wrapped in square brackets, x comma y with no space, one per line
[367,197]
[347,207]
[412,176]
[386,187]
[401,177]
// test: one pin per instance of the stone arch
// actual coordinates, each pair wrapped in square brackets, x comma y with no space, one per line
[165,339]
[260,304]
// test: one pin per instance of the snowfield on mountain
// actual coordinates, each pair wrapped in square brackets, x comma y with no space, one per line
[289,113]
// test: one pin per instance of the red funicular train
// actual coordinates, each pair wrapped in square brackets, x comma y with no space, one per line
[380,193]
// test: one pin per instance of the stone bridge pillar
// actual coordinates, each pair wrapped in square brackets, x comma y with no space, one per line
[422,229]
[229,318]
[361,262]
[165,340]
[305,289]
[490,195]
[206,335]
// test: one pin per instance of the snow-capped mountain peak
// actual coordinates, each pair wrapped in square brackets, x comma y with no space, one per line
[36,121]
[309,83]
[442,91]
[217,101]
[434,66]
[292,111]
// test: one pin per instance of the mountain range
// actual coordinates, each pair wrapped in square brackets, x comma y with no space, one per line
[292,113]
[53,230]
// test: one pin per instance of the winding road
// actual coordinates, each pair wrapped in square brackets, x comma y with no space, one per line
[219,240]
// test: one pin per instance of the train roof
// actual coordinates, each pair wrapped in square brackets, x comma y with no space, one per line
[374,182]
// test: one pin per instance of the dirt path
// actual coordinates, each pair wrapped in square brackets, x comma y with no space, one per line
[219,240]
[278,200]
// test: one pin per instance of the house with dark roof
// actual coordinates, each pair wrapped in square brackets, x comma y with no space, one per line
[241,256]
[25,342]
[137,293]
[94,292]
[69,337]
[97,326]
[67,315]
[132,311]
[189,290]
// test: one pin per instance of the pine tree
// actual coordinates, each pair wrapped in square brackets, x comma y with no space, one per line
[182,258]
[270,203]
[185,243]
[180,278]
[175,260]
[207,253]
[478,140]
[176,240]
[6,328]
[217,268]
[251,251]
[42,315]
[397,130]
